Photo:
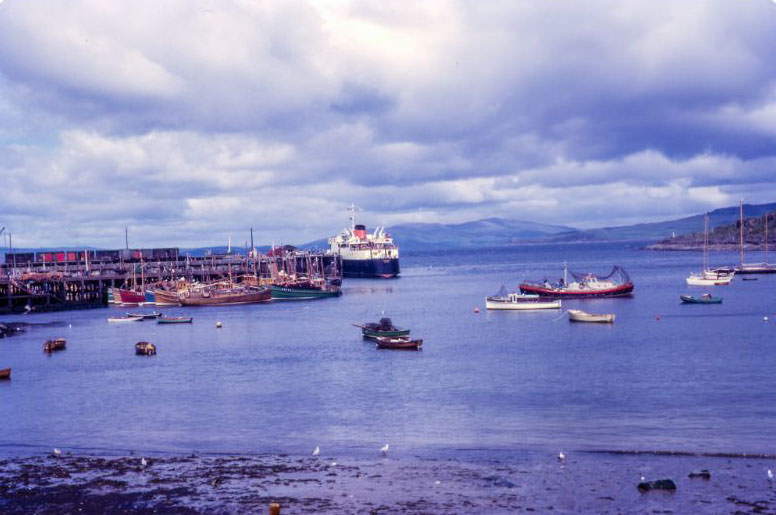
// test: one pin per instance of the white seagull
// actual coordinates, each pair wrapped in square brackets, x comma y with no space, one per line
[57,452]
[143,462]
[333,464]
[316,451]
[561,456]
[384,450]
[770,475]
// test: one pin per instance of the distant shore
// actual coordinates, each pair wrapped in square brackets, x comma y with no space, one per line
[714,247]
[583,482]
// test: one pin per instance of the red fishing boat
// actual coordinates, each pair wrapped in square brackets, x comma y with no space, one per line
[616,284]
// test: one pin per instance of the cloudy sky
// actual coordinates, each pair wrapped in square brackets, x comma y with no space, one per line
[191,120]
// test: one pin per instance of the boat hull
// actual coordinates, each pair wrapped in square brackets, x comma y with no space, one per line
[624,290]
[128,296]
[500,304]
[758,268]
[384,268]
[689,299]
[231,299]
[181,320]
[695,280]
[576,315]
[5,373]
[286,293]
[399,344]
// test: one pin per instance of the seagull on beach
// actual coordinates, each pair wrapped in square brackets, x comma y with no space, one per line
[143,462]
[384,450]
[333,464]
[316,451]
[57,452]
[770,475]
[561,456]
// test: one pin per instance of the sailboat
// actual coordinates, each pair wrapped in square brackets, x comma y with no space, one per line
[708,277]
[753,268]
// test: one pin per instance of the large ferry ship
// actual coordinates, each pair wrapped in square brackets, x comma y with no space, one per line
[364,254]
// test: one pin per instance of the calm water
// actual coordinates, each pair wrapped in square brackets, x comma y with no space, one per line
[287,376]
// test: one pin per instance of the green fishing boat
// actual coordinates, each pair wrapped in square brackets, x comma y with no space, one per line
[382,329]
[294,293]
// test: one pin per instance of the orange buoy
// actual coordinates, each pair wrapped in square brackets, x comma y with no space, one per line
[476,310]
[657,317]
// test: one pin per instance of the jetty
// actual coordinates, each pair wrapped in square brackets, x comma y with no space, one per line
[63,280]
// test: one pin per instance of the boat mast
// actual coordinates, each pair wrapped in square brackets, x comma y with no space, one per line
[705,242]
[565,274]
[766,237]
[741,232]
[352,210]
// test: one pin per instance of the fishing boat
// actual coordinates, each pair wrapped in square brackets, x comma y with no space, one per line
[224,294]
[304,289]
[577,315]
[588,285]
[125,296]
[707,276]
[399,343]
[145,316]
[364,254]
[126,318]
[383,328]
[706,298]
[166,298]
[5,373]
[145,349]
[174,320]
[520,301]
[55,345]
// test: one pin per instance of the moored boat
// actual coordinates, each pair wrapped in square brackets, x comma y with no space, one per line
[304,291]
[520,301]
[224,295]
[589,285]
[5,373]
[383,328]
[706,298]
[708,276]
[126,318]
[705,279]
[145,349]
[55,345]
[145,316]
[174,320]
[124,296]
[399,343]
[577,315]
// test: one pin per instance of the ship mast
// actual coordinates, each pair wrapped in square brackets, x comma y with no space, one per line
[352,210]
[741,232]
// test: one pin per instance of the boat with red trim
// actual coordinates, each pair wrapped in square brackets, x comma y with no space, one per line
[588,285]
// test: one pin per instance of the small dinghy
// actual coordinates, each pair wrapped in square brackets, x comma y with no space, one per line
[54,345]
[5,373]
[577,315]
[174,320]
[145,316]
[398,343]
[145,349]
[382,329]
[127,318]
[706,298]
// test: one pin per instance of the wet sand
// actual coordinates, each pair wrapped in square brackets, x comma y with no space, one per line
[583,483]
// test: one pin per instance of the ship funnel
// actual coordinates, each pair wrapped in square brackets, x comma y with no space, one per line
[360,232]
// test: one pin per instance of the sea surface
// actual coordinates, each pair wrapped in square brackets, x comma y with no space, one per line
[287,376]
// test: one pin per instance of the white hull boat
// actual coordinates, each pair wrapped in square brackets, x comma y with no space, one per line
[708,280]
[577,315]
[521,301]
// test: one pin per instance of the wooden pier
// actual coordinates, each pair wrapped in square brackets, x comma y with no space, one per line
[80,284]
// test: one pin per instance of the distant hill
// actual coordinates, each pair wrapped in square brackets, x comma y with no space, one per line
[490,232]
[661,230]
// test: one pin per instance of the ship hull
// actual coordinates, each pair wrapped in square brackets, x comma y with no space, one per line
[619,291]
[385,268]
[286,293]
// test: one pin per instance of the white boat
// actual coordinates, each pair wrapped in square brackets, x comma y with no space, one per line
[706,279]
[577,315]
[707,276]
[521,301]
[116,320]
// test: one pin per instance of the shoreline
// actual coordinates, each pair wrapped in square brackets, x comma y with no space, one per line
[585,481]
